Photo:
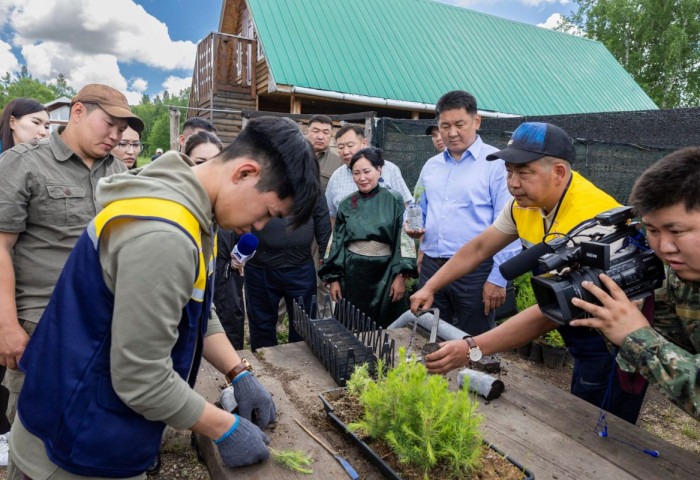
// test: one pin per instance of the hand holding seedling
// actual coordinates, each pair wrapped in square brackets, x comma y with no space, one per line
[452,354]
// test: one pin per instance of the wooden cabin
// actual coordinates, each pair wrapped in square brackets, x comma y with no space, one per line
[342,57]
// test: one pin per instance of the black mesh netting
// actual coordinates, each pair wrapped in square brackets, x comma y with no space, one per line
[612,149]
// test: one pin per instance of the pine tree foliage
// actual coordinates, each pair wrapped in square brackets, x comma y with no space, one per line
[415,413]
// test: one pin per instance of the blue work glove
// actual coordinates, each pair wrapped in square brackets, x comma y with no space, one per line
[253,398]
[243,444]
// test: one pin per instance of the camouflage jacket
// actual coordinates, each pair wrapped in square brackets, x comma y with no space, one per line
[669,354]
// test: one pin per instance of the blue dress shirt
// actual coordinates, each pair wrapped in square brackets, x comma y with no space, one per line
[460,200]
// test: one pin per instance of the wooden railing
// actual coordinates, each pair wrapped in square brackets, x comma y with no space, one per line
[223,63]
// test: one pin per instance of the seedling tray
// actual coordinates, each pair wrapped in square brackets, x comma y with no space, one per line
[343,341]
[386,470]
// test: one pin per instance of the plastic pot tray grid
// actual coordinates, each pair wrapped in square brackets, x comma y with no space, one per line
[377,460]
[344,340]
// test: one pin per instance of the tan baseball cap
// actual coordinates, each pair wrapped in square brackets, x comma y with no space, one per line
[111,101]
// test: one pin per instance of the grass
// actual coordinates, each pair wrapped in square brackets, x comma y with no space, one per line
[283,330]
[690,431]
[142,161]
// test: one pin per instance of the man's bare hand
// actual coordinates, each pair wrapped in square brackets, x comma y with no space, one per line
[452,354]
[13,339]
[416,234]
[616,318]
[421,300]
[494,296]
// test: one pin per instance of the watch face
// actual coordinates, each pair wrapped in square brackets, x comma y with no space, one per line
[475,354]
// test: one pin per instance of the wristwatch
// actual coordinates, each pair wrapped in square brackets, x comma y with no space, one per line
[474,350]
[238,369]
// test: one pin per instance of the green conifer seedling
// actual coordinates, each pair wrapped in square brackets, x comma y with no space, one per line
[416,414]
[295,460]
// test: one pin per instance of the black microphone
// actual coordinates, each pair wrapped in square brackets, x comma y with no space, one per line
[525,261]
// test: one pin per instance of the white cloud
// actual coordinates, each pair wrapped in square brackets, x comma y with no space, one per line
[86,26]
[8,61]
[85,42]
[537,3]
[175,84]
[138,84]
[134,98]
[6,6]
[557,19]
[45,60]
[552,22]
[529,3]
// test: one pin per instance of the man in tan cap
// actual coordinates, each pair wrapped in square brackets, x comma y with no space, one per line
[47,198]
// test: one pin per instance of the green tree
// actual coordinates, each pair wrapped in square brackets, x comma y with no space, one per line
[22,84]
[155,112]
[159,135]
[657,41]
[61,88]
[26,86]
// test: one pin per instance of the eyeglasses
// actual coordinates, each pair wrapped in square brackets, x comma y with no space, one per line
[126,145]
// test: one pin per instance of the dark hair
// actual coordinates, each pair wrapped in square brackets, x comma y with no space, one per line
[199,138]
[321,119]
[288,163]
[198,123]
[673,179]
[372,154]
[359,131]
[455,100]
[17,108]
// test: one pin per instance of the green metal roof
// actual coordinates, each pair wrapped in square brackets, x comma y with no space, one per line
[416,50]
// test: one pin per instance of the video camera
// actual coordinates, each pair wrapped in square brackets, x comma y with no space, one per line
[632,266]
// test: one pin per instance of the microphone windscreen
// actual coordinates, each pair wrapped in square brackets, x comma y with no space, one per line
[524,261]
[247,244]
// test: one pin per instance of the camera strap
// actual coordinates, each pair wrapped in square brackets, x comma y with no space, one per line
[601,427]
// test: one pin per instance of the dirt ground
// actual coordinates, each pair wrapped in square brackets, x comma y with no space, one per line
[658,416]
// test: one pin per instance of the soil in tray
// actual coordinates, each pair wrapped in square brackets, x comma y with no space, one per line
[493,465]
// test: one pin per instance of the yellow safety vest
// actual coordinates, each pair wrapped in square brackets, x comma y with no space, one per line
[171,212]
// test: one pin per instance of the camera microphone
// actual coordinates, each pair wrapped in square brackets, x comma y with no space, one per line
[245,248]
[525,261]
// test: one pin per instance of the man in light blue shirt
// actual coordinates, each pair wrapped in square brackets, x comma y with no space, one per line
[461,194]
[349,140]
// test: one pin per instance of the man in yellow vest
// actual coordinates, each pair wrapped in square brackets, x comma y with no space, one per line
[549,200]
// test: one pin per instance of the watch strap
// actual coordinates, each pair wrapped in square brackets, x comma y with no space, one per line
[470,341]
[238,369]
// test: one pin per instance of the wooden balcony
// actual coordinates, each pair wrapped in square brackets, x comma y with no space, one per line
[224,63]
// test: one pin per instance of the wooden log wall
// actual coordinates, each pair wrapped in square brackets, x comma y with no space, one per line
[229,124]
[261,78]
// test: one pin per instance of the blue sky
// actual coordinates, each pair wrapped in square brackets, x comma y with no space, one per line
[148,46]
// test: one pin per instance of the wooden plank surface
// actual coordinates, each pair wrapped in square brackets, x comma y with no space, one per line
[285,434]
[574,420]
[547,430]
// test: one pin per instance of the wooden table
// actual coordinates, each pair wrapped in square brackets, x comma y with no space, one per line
[547,430]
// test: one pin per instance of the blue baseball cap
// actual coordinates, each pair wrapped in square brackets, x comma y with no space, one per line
[534,140]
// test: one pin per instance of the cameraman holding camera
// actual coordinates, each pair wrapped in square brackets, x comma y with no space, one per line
[549,201]
[667,197]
